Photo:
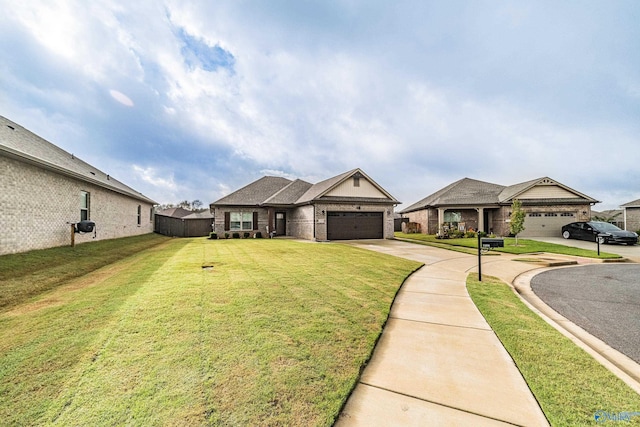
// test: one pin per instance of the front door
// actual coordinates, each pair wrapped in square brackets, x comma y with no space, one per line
[281,223]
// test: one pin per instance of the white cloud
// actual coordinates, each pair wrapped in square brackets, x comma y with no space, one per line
[150,176]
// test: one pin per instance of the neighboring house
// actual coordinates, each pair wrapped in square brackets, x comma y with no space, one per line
[631,215]
[347,206]
[179,222]
[612,216]
[478,205]
[44,190]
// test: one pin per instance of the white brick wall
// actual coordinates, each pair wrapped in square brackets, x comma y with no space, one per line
[36,206]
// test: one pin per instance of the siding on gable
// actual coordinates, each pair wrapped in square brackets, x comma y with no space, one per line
[366,189]
[547,192]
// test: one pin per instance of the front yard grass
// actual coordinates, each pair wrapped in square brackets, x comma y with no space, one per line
[524,246]
[274,333]
[27,274]
[569,384]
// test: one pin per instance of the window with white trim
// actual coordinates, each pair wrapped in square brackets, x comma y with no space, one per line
[85,197]
[241,221]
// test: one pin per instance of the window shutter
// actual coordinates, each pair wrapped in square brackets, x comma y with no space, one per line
[227,221]
[255,220]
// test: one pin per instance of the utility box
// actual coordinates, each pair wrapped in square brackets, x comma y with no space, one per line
[488,242]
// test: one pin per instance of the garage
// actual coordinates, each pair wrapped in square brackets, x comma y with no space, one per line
[546,224]
[355,225]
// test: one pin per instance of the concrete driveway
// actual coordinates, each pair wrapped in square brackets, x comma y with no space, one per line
[631,252]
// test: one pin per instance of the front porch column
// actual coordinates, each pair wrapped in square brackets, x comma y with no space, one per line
[480,219]
[440,220]
[271,221]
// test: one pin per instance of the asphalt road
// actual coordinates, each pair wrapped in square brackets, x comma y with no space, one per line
[603,299]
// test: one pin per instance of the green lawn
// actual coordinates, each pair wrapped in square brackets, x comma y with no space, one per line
[276,333]
[569,384]
[46,269]
[524,246]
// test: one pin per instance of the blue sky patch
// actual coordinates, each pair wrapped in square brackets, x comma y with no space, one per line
[198,54]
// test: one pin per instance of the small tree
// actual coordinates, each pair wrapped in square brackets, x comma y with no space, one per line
[516,223]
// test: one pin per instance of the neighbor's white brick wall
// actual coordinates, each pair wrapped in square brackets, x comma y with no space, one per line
[36,205]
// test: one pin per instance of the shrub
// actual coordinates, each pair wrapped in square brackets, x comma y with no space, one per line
[213,235]
[470,234]
[226,235]
[246,235]
[236,235]
[258,235]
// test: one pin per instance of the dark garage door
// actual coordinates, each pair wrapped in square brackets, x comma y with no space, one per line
[354,225]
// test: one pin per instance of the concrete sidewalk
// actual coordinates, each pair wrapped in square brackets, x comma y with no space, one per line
[438,362]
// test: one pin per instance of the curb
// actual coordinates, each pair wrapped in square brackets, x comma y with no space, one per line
[618,363]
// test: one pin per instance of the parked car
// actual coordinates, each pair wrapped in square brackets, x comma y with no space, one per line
[592,230]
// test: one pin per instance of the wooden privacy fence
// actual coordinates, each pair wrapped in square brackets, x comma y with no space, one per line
[182,227]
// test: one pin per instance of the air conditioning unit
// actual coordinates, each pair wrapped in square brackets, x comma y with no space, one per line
[85,226]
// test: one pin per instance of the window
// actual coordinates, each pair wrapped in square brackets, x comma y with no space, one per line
[566,214]
[150,214]
[84,205]
[241,221]
[139,214]
[551,214]
[452,216]
[535,214]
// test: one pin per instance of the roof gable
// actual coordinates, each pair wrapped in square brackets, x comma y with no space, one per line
[341,186]
[23,145]
[471,192]
[541,189]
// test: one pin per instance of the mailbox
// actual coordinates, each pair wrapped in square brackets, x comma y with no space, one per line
[492,243]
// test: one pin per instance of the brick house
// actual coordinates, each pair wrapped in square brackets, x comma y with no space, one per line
[348,206]
[44,190]
[478,205]
[631,215]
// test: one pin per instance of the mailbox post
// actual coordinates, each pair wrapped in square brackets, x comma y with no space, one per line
[485,245]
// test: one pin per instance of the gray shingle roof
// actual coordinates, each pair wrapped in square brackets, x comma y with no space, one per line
[464,192]
[472,193]
[255,193]
[633,204]
[199,215]
[289,194]
[271,190]
[174,212]
[21,144]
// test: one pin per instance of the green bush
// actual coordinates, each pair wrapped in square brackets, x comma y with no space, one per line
[258,235]
[213,235]
[470,234]
[236,235]
[226,235]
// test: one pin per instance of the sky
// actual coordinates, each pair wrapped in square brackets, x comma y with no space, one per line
[194,99]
